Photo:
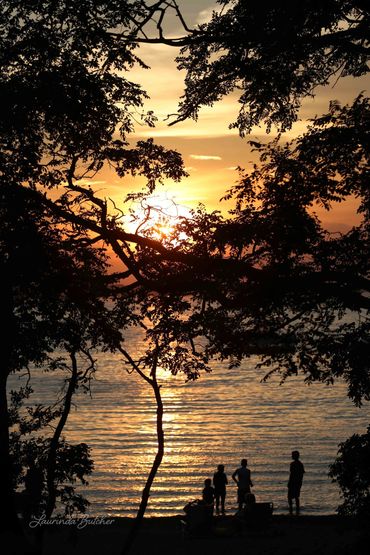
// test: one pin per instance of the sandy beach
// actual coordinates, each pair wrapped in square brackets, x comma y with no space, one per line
[284,535]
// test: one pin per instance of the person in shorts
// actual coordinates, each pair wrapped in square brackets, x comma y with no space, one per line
[219,483]
[295,482]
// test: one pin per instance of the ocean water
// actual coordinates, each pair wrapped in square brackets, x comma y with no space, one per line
[223,417]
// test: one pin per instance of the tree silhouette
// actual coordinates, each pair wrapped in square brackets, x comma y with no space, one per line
[268,279]
[171,343]
[60,463]
[309,293]
[63,101]
[276,54]
[351,471]
[55,290]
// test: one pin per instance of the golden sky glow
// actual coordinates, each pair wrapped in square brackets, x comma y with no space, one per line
[210,150]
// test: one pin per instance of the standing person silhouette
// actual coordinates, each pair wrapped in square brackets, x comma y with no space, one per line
[242,477]
[295,482]
[219,483]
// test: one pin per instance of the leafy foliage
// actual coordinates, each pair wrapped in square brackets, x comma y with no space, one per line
[302,293]
[269,279]
[55,284]
[276,53]
[28,442]
[351,471]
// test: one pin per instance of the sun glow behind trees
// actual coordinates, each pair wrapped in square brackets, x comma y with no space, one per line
[68,110]
[157,216]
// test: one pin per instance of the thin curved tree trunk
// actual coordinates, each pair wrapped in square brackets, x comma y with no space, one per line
[156,463]
[52,455]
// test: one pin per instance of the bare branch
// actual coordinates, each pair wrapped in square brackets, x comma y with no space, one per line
[134,366]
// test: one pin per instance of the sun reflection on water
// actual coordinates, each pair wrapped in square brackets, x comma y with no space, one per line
[220,418]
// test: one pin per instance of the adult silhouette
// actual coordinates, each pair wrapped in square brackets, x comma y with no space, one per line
[242,478]
[295,482]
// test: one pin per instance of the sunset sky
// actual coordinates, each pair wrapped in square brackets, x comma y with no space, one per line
[210,150]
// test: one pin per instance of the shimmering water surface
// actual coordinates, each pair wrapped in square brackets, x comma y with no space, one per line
[221,418]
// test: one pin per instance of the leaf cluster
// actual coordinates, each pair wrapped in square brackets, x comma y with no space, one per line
[351,471]
[275,53]
[30,444]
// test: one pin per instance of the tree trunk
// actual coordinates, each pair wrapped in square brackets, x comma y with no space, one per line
[10,520]
[52,455]
[156,463]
